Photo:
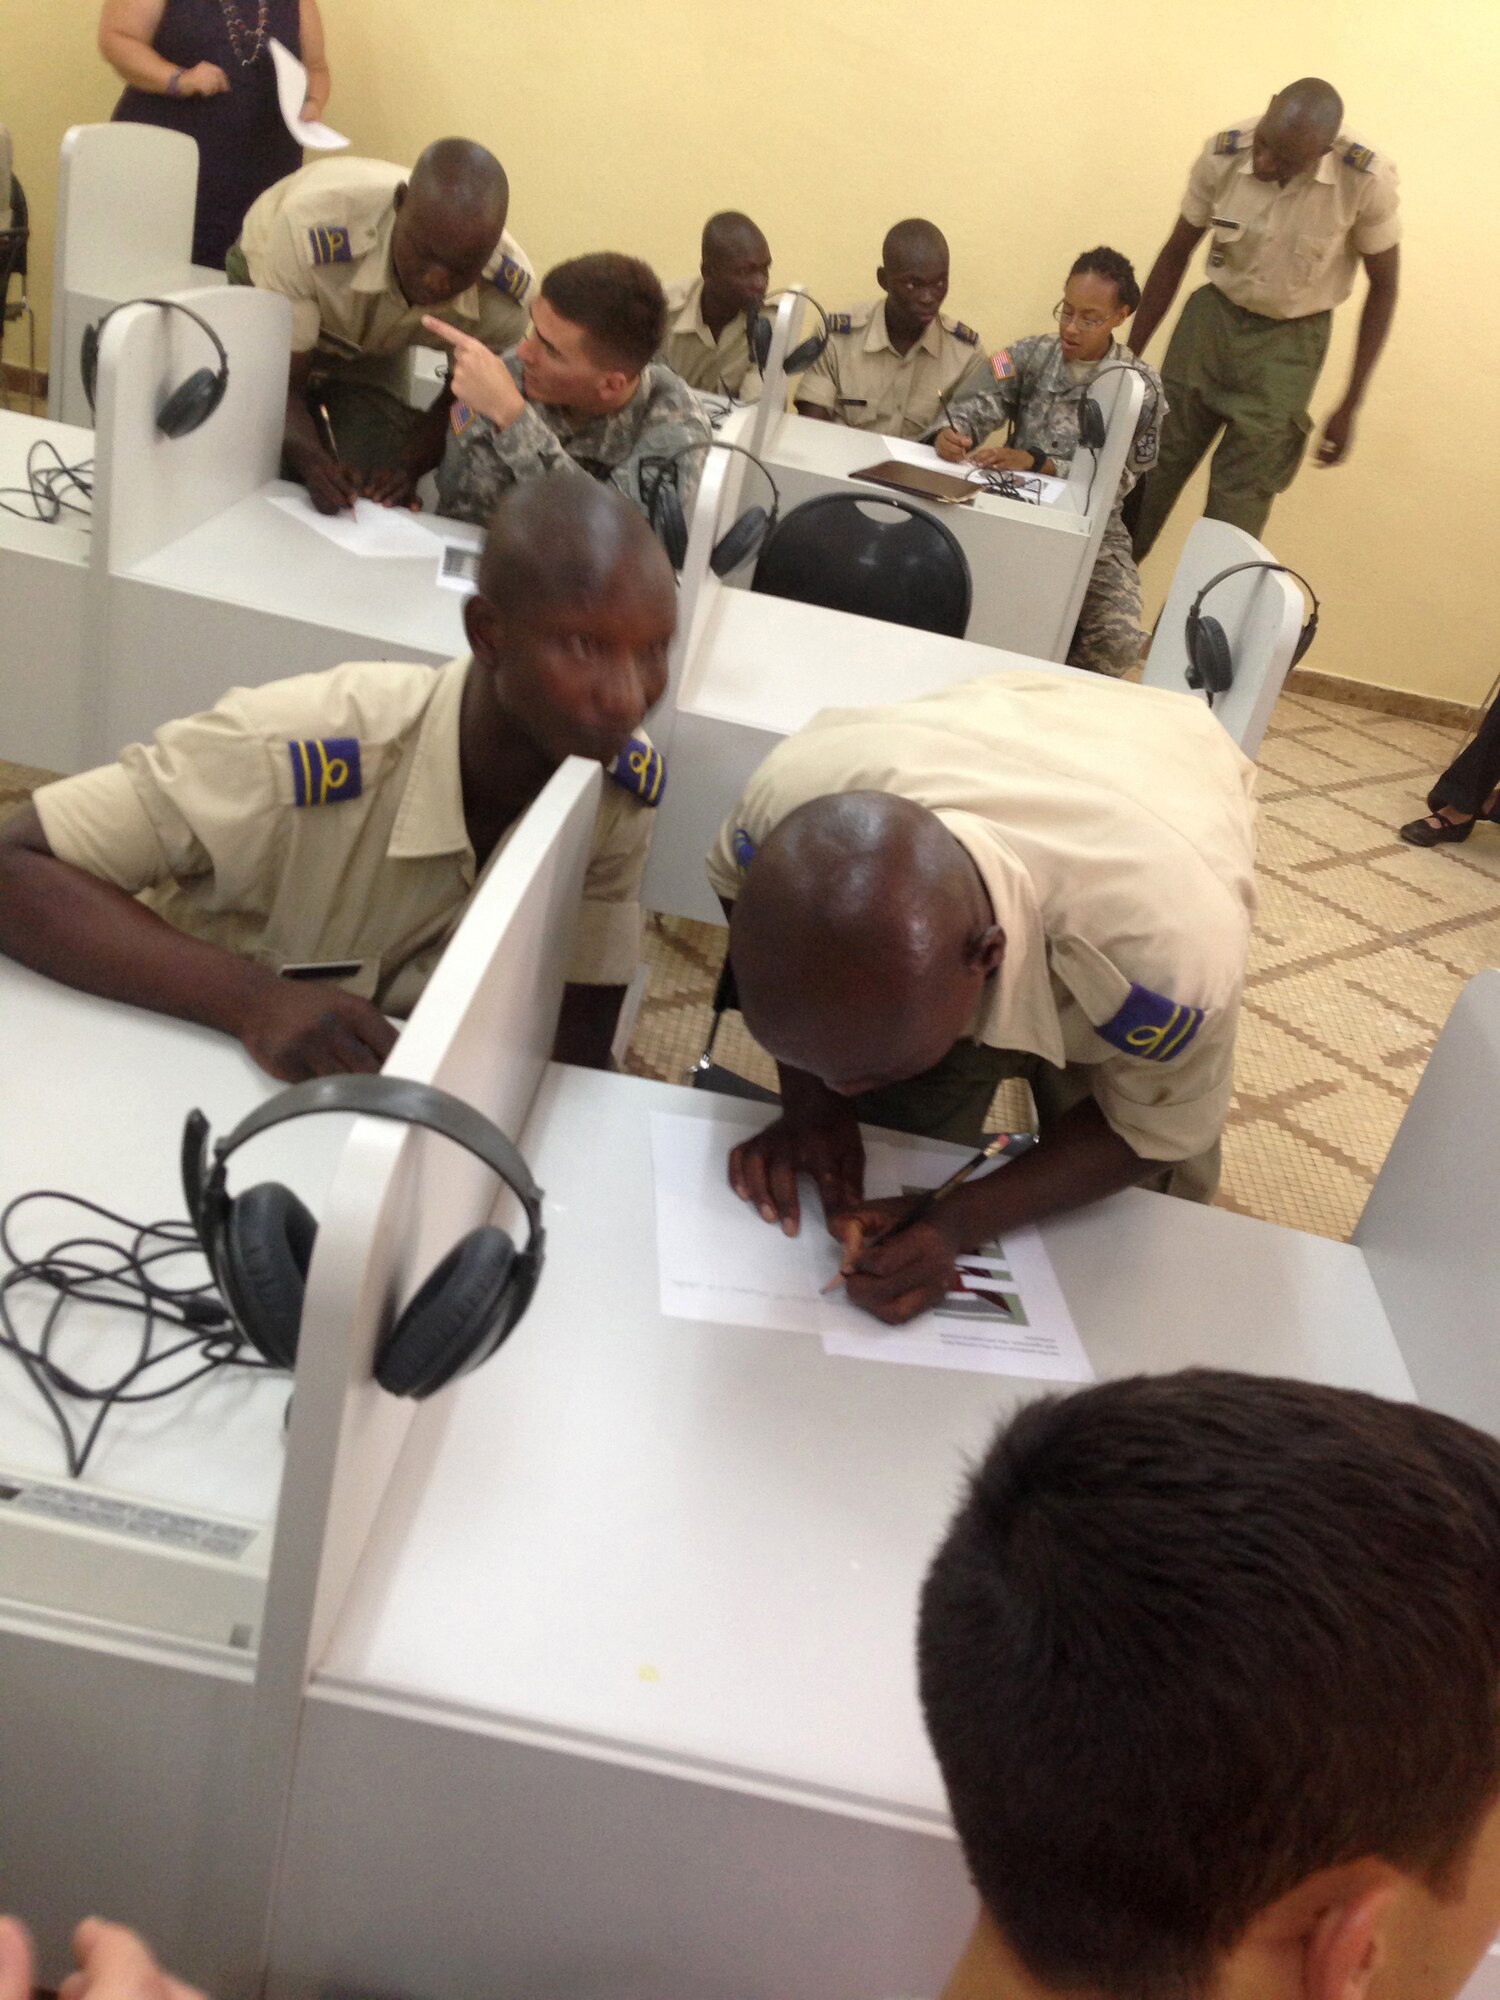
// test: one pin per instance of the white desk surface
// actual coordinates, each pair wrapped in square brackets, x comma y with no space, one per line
[837,452]
[95,1095]
[255,556]
[66,540]
[703,1543]
[773,663]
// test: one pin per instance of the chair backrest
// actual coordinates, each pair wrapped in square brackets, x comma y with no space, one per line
[14,237]
[125,199]
[878,558]
[1261,613]
[1428,1229]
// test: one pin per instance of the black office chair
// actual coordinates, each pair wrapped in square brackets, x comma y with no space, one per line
[844,551]
[13,257]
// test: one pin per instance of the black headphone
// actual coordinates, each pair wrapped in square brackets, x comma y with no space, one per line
[1091,426]
[739,541]
[259,1244]
[1210,663]
[803,355]
[192,402]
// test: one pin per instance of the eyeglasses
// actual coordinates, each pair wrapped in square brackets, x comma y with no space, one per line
[1062,312]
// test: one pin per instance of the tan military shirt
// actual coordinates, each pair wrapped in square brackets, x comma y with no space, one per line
[321,819]
[866,384]
[690,350]
[1293,250]
[322,238]
[1113,829]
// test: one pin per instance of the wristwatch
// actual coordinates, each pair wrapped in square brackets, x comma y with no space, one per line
[1038,458]
[174,83]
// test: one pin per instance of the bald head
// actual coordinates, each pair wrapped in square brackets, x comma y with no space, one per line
[730,235]
[911,239]
[736,266]
[462,174]
[861,940]
[1296,129]
[566,543]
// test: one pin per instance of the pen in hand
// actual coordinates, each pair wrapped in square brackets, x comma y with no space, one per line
[856,1243]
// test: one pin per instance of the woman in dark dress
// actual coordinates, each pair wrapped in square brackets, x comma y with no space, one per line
[202,67]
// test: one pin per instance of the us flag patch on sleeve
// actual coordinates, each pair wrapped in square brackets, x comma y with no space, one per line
[1001,365]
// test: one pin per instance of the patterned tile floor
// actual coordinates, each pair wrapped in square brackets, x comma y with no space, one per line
[1360,949]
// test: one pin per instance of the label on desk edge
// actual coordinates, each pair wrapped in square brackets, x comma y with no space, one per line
[166,1527]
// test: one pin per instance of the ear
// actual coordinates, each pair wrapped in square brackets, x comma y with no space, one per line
[399,196]
[481,627]
[1344,1947]
[616,382]
[881,279]
[984,951]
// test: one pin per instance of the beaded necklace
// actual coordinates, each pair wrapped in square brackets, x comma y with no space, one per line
[239,32]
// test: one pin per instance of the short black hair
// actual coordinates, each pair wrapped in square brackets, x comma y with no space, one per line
[1192,1638]
[618,301]
[1109,264]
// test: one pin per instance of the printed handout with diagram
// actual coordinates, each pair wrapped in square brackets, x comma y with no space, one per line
[718,1260]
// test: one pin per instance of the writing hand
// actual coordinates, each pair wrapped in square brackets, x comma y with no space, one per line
[478,376]
[391,486]
[898,1278]
[1003,458]
[764,1170]
[952,445]
[331,485]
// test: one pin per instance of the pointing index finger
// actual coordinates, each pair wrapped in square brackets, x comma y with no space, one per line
[455,336]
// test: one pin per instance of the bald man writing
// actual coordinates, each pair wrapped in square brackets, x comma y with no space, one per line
[1026,875]
[288,867]
[363,250]
[1296,203]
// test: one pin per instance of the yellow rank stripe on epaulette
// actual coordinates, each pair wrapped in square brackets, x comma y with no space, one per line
[965,333]
[325,769]
[1151,1026]
[513,279]
[841,322]
[641,769]
[330,246]
[1361,158]
[1228,142]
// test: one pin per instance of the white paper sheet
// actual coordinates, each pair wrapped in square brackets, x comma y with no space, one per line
[370,530]
[717,1260]
[291,95]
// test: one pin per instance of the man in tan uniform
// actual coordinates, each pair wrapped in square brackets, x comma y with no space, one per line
[707,341]
[289,866]
[1025,875]
[363,250]
[891,365]
[1296,203]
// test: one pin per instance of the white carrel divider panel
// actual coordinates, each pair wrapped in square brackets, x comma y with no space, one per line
[400,1198]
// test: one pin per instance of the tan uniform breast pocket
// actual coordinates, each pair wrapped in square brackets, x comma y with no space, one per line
[1312,255]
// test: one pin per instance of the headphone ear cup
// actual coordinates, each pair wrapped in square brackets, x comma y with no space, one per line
[669,522]
[268,1245]
[738,543]
[1212,663]
[803,355]
[459,1316]
[192,403]
[1091,431]
[88,360]
[758,335]
[1305,638]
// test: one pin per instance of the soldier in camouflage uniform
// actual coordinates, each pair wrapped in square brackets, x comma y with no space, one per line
[1036,387]
[581,394]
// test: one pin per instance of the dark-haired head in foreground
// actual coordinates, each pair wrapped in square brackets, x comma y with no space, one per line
[1210,1664]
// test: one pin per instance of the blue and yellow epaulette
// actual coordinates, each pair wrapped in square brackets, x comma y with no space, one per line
[1233,141]
[513,279]
[1151,1026]
[640,768]
[330,246]
[1001,365]
[841,322]
[1361,158]
[325,769]
[964,333]
[743,847]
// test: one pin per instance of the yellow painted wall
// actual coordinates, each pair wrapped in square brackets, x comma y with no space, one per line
[1028,134]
